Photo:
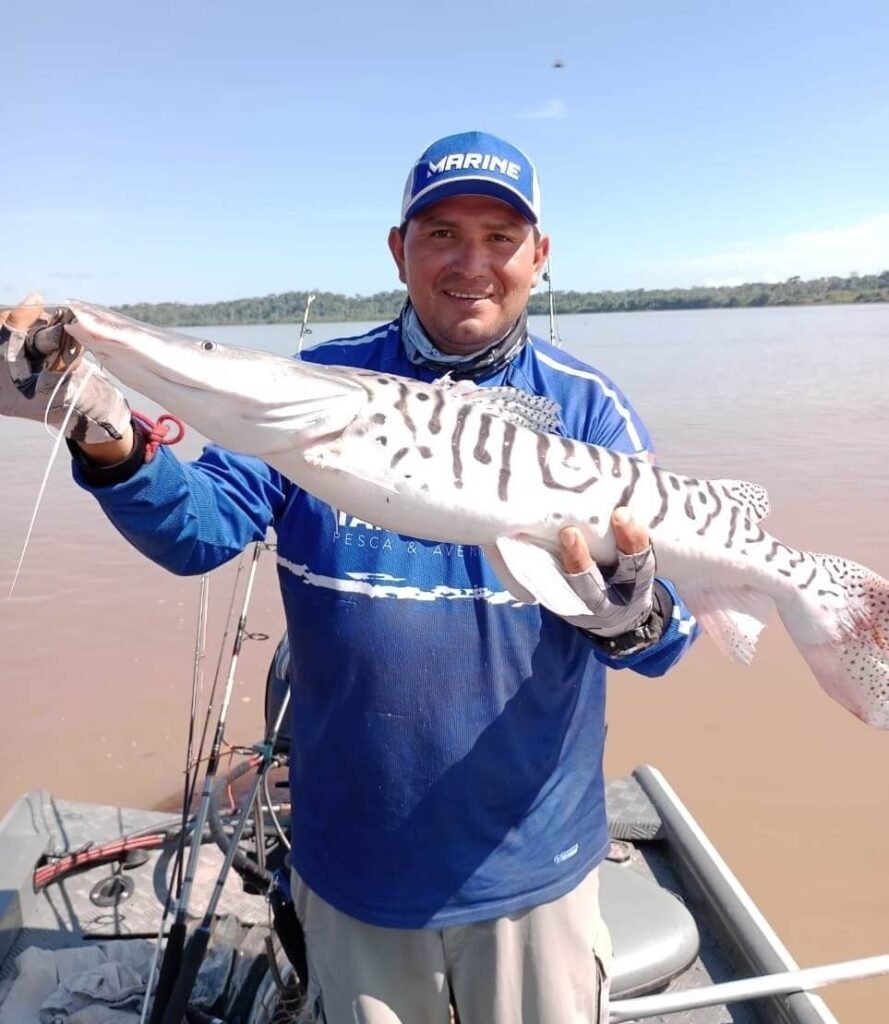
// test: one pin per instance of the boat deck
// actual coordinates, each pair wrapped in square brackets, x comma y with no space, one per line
[654,840]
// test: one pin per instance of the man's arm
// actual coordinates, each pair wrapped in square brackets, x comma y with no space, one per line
[110,453]
[188,517]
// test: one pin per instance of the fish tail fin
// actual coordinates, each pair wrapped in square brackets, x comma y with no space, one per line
[840,624]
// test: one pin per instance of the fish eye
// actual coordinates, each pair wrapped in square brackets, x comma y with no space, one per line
[208,346]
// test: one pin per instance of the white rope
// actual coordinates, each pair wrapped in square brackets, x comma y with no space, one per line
[90,370]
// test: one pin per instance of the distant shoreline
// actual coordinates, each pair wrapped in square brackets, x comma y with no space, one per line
[334,307]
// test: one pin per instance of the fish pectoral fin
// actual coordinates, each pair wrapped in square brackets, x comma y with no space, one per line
[733,617]
[498,564]
[538,573]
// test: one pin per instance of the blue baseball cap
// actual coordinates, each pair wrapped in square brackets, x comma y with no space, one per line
[472,164]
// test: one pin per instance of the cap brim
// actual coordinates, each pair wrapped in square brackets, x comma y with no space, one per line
[470,186]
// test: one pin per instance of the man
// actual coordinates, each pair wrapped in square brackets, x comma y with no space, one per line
[446,765]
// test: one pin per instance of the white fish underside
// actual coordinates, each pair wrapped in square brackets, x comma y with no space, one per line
[456,463]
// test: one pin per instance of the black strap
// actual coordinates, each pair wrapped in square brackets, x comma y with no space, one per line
[98,475]
[646,634]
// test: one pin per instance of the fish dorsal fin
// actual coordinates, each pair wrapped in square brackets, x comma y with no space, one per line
[733,617]
[749,496]
[536,412]
[538,572]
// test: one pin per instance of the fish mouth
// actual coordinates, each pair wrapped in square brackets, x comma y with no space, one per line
[107,361]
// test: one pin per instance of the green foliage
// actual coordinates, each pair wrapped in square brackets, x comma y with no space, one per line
[270,309]
[332,306]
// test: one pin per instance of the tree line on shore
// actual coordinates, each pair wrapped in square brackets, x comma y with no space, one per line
[288,307]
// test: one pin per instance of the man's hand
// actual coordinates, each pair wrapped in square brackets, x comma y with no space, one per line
[619,597]
[21,363]
[42,373]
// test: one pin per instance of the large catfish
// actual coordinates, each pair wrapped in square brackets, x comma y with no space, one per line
[457,463]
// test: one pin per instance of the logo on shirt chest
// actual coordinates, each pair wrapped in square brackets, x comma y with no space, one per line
[352,532]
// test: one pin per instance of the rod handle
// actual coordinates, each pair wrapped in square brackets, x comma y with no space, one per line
[192,958]
[169,969]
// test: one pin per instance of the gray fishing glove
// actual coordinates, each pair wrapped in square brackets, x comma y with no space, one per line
[42,373]
[619,597]
[628,608]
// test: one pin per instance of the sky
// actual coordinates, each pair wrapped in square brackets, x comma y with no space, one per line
[194,152]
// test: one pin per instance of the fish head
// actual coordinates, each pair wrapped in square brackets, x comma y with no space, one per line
[245,399]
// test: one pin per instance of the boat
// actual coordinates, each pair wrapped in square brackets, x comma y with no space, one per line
[84,886]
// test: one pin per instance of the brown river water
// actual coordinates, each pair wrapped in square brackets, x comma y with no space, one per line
[98,644]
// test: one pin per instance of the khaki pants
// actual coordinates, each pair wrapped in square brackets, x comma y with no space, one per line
[547,965]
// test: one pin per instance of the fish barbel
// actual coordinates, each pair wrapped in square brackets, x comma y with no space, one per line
[453,462]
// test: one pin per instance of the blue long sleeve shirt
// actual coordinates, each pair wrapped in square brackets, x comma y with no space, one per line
[447,742]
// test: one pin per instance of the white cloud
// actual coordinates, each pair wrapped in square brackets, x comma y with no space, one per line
[861,248]
[553,108]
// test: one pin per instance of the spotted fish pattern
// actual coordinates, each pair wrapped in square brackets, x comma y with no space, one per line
[451,462]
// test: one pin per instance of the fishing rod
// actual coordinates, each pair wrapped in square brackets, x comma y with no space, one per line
[782,983]
[173,948]
[173,953]
[196,947]
[305,329]
[554,338]
[191,763]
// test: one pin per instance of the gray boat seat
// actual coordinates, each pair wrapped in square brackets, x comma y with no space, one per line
[654,936]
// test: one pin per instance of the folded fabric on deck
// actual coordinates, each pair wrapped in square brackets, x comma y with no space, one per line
[96,984]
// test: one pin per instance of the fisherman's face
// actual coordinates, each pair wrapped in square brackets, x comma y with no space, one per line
[469,263]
